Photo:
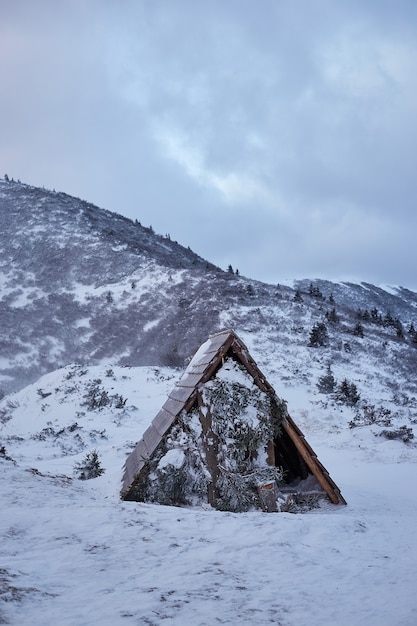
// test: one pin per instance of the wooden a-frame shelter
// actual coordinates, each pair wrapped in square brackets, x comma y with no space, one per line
[290,450]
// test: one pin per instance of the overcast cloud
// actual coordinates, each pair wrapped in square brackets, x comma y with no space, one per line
[279,136]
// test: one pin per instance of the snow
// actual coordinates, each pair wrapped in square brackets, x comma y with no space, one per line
[73,553]
[199,357]
[232,373]
[149,325]
[174,457]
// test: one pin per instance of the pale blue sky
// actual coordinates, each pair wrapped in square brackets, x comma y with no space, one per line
[279,136]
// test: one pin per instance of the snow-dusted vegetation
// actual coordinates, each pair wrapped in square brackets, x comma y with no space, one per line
[100,315]
[73,552]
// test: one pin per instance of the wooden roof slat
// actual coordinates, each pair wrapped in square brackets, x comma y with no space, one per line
[200,368]
[200,365]
[152,439]
[173,406]
[180,394]
[203,357]
[133,466]
[190,380]
[163,421]
[210,349]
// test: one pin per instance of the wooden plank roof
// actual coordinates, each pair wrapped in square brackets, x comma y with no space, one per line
[181,397]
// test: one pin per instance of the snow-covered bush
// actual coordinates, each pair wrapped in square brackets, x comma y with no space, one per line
[369,414]
[238,491]
[97,397]
[4,455]
[243,419]
[176,475]
[242,412]
[405,433]
[89,467]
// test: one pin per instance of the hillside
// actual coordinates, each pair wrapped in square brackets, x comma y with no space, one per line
[99,316]
[82,285]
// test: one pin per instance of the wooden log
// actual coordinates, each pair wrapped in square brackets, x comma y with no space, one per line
[268,495]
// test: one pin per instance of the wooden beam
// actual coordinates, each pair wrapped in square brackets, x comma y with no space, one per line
[317,469]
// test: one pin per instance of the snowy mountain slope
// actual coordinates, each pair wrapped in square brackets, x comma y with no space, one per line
[73,553]
[80,284]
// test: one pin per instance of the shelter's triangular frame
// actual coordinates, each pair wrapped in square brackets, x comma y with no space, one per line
[202,367]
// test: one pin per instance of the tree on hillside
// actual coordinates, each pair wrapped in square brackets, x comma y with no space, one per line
[332,316]
[327,382]
[89,467]
[358,330]
[319,335]
[376,317]
[315,292]
[413,334]
[348,393]
[297,296]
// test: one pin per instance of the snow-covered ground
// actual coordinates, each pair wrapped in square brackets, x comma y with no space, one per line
[72,553]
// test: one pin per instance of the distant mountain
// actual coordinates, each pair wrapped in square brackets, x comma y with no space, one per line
[79,284]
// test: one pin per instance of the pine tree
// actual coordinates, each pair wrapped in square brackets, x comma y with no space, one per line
[332,316]
[348,393]
[327,382]
[399,328]
[318,335]
[315,292]
[376,317]
[89,467]
[413,334]
[358,330]
[297,296]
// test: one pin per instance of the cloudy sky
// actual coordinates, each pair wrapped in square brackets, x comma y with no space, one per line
[276,135]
